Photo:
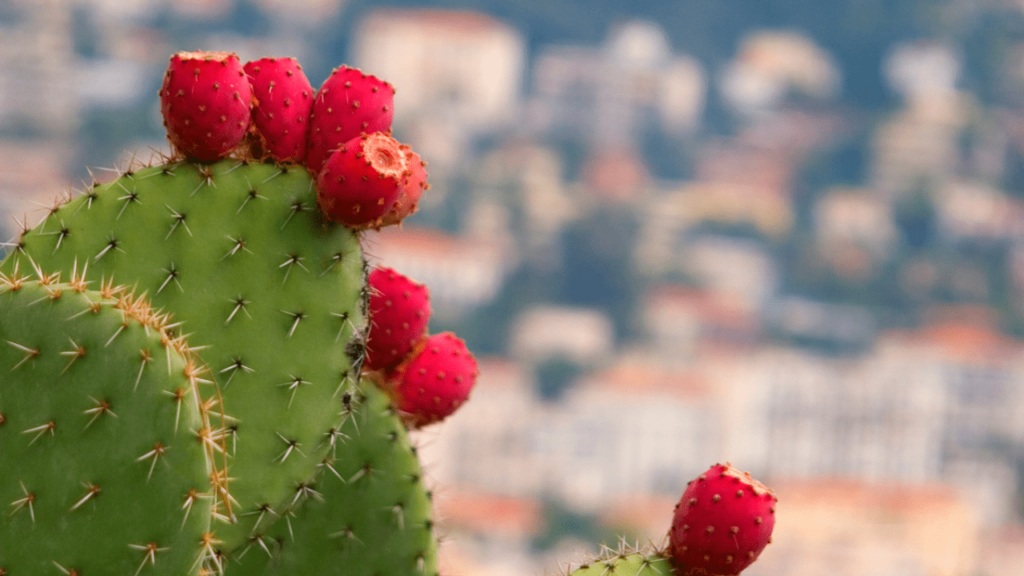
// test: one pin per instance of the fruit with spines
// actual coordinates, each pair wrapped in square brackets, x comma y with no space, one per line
[349,103]
[722,523]
[282,102]
[434,382]
[399,314]
[362,180]
[105,451]
[409,198]
[205,100]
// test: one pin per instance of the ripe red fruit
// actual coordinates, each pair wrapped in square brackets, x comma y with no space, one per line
[722,523]
[348,104]
[362,180]
[399,313]
[205,101]
[434,382]
[409,198]
[282,101]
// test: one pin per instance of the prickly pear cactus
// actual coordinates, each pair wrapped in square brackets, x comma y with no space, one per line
[102,470]
[365,503]
[627,564]
[273,299]
[202,411]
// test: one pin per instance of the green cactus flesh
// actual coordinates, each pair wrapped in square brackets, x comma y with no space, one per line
[102,468]
[271,295]
[367,514]
[634,564]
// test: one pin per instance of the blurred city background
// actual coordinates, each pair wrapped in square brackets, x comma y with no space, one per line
[787,234]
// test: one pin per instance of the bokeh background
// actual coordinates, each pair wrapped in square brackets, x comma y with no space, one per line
[787,234]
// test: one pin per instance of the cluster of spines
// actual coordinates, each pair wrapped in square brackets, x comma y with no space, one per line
[138,310]
[353,505]
[135,311]
[625,560]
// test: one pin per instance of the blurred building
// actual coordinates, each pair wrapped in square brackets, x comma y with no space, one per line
[651,423]
[855,218]
[838,326]
[850,528]
[581,335]
[305,11]
[674,215]
[739,269]
[654,424]
[878,419]
[460,67]
[38,95]
[529,180]
[772,65]
[918,147]
[611,95]
[681,321]
[490,449]
[1001,551]
[141,10]
[922,70]
[971,211]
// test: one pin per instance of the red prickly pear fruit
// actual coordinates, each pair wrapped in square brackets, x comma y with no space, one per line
[205,101]
[361,180]
[434,382]
[399,313]
[409,198]
[721,524]
[283,99]
[348,104]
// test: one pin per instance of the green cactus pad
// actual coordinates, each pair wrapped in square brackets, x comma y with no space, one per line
[270,293]
[635,564]
[367,514]
[104,470]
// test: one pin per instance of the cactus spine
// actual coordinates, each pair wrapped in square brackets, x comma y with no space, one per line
[107,458]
